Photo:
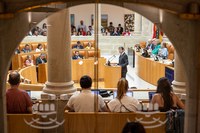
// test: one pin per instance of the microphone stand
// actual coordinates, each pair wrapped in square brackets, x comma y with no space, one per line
[110,59]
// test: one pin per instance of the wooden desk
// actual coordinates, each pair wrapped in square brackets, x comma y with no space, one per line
[42,73]
[112,76]
[29,73]
[87,67]
[148,69]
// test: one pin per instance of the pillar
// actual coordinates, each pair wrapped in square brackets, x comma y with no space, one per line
[138,23]
[59,54]
[146,27]
[179,83]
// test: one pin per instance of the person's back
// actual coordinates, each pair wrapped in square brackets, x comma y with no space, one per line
[85,101]
[123,103]
[126,104]
[157,98]
[18,101]
[165,98]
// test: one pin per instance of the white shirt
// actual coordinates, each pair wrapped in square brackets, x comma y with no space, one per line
[84,102]
[130,104]
[39,50]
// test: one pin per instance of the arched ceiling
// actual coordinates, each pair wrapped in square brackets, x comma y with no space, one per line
[175,6]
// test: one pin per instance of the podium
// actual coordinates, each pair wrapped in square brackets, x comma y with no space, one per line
[112,74]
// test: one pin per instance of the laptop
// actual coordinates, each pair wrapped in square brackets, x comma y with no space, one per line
[128,93]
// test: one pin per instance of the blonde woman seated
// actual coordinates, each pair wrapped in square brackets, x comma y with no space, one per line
[28,61]
[165,98]
[123,103]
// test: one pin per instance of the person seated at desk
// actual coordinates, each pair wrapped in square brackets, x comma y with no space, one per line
[39,48]
[28,61]
[26,49]
[41,59]
[89,46]
[84,101]
[165,98]
[123,103]
[157,46]
[145,53]
[77,56]
[163,52]
[150,45]
[18,101]
[78,46]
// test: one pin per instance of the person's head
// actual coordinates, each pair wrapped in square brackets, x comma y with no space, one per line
[39,46]
[44,33]
[86,82]
[133,127]
[119,25]
[14,78]
[76,53]
[28,57]
[78,43]
[81,22]
[127,30]
[90,27]
[36,33]
[163,44]
[145,50]
[42,56]
[157,42]
[111,23]
[122,88]
[89,33]
[81,29]
[150,41]
[27,47]
[121,50]
[165,89]
[163,85]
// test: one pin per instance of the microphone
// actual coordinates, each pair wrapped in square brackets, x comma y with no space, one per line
[110,59]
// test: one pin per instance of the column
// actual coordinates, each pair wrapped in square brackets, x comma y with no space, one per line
[59,54]
[146,27]
[179,83]
[138,24]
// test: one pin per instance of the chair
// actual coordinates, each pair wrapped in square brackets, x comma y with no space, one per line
[23,59]
[34,46]
[35,56]
[91,54]
[170,49]
[143,44]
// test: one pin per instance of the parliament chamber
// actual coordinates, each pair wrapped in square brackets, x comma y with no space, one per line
[34,78]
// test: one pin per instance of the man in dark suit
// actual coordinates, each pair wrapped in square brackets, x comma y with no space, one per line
[78,46]
[123,61]
[120,29]
[77,56]
[41,59]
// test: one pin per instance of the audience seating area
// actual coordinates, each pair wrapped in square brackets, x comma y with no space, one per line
[84,43]
[33,45]
[170,49]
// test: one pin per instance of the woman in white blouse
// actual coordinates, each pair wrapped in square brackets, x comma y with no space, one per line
[123,103]
[39,48]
